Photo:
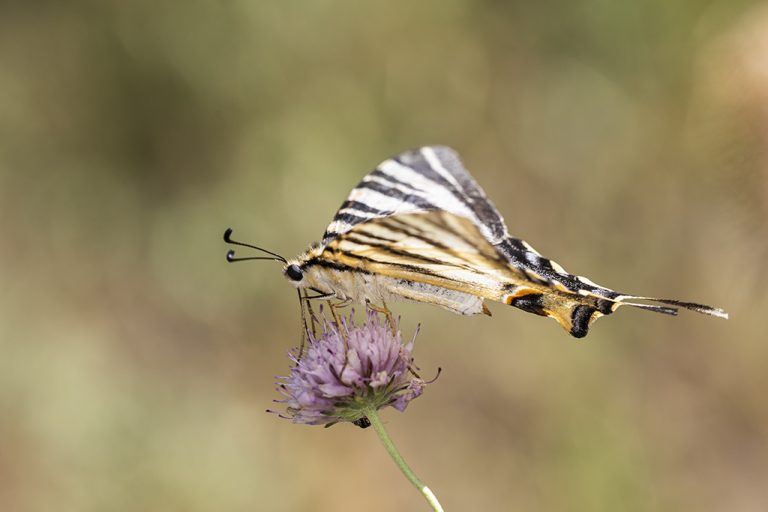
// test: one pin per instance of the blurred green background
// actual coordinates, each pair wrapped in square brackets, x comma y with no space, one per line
[625,140]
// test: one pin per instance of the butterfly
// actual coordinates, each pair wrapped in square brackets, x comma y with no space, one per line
[419,227]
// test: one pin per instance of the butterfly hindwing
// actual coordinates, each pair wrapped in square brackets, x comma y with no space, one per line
[443,259]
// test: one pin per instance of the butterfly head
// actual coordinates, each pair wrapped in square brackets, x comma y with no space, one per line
[293,272]
[296,273]
[303,272]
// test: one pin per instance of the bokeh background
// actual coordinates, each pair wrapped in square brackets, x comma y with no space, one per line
[627,140]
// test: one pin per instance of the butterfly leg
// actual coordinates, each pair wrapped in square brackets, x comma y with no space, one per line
[306,300]
[313,321]
[344,303]
[312,318]
[386,312]
[343,332]
[336,320]
[305,329]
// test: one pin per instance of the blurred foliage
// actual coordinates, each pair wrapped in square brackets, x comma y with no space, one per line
[626,140]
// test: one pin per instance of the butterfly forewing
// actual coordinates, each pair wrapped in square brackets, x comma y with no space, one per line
[428,179]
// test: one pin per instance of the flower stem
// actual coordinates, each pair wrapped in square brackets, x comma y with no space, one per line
[378,426]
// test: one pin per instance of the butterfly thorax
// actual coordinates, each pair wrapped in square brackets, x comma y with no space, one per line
[314,272]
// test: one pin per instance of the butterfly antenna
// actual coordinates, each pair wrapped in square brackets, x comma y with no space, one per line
[231,253]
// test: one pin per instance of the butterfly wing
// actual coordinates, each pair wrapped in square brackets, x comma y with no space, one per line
[421,220]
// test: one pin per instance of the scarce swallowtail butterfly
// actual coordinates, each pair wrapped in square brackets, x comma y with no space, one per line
[418,227]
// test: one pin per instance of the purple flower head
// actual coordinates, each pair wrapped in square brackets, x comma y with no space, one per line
[348,369]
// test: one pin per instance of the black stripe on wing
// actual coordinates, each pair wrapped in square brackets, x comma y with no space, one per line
[381,175]
[412,196]
[361,207]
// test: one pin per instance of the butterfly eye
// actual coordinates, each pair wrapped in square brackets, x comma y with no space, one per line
[294,273]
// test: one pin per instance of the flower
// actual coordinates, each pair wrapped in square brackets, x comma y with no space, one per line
[347,370]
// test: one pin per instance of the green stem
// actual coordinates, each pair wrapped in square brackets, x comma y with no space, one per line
[378,426]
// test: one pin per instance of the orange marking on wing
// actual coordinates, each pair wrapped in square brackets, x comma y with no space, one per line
[521,292]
